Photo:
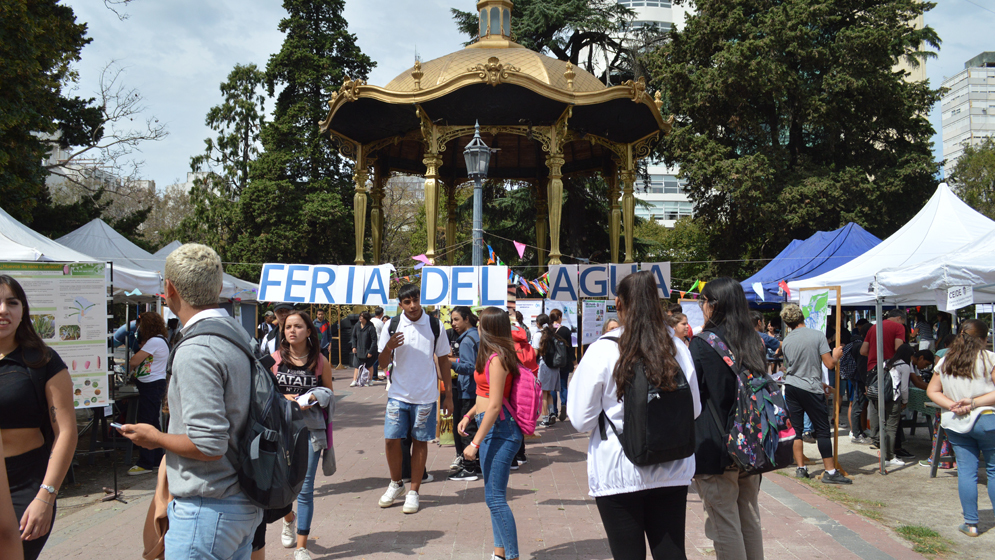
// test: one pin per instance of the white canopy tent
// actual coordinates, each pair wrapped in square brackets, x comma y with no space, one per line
[231,288]
[944,223]
[20,243]
[927,283]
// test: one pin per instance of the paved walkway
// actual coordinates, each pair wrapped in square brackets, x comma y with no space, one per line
[556,518]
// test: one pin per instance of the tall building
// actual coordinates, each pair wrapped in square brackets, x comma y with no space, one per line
[662,192]
[968,108]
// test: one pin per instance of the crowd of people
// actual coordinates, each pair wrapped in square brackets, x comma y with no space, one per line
[470,371]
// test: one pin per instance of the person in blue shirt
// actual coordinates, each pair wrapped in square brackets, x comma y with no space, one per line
[465,349]
[772,346]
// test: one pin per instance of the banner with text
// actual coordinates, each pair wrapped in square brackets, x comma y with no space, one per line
[570,282]
[370,285]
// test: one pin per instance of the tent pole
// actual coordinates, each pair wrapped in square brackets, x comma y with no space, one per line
[879,328]
[836,389]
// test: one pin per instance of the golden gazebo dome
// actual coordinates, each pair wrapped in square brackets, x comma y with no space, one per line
[547,118]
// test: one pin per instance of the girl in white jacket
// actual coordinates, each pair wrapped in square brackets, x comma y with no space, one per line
[636,502]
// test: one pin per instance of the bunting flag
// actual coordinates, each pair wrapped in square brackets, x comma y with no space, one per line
[520,247]
[758,288]
[784,287]
[682,294]
[419,266]
[693,286]
[422,259]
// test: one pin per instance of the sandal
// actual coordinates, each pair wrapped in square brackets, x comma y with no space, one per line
[969,530]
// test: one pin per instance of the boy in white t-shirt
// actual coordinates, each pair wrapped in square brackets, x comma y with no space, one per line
[415,348]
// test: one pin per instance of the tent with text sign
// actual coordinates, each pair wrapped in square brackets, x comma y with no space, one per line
[944,224]
[927,283]
[822,252]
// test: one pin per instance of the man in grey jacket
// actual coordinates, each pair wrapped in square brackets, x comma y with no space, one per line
[209,401]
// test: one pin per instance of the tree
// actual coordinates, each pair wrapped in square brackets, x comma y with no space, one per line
[791,118]
[297,206]
[39,40]
[973,177]
[572,30]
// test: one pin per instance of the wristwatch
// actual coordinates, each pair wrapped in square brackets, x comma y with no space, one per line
[49,489]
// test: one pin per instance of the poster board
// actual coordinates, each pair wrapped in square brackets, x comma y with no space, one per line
[530,309]
[68,307]
[569,310]
[815,306]
[696,320]
[593,320]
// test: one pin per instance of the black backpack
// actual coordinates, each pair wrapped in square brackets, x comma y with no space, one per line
[435,323]
[872,385]
[659,425]
[273,449]
[556,356]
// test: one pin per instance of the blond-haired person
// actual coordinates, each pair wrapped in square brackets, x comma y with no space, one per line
[209,406]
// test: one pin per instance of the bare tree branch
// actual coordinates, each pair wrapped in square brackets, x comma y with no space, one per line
[111,5]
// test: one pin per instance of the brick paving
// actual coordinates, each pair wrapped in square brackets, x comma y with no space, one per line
[555,516]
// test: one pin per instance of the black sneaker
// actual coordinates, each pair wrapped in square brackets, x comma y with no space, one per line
[514,464]
[563,414]
[551,420]
[544,423]
[801,472]
[903,454]
[835,478]
[462,475]
[807,437]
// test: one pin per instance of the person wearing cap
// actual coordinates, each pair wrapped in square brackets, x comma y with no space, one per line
[271,342]
[266,325]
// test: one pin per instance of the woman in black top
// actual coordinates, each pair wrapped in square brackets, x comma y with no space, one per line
[562,331]
[37,420]
[729,497]
[364,345]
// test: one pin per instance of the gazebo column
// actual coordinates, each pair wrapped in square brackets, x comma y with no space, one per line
[628,177]
[542,225]
[615,218]
[360,175]
[554,194]
[381,174]
[432,163]
[450,221]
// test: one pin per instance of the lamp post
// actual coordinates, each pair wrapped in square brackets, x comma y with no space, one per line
[478,158]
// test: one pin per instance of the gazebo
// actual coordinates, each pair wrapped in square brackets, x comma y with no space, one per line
[547,118]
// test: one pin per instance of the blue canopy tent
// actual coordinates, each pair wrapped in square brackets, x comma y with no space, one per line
[824,251]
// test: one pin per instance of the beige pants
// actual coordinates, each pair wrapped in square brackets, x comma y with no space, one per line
[732,515]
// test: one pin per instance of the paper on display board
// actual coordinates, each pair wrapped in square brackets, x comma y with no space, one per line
[815,307]
[593,320]
[68,308]
[530,309]
[690,308]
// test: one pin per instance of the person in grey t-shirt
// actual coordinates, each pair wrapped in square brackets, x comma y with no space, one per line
[805,352]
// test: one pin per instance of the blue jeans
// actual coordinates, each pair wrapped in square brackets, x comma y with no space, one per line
[497,451]
[305,500]
[966,448]
[402,417]
[564,378]
[215,528]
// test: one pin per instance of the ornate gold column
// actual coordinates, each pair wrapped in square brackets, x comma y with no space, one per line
[432,163]
[360,175]
[542,225]
[628,177]
[450,221]
[381,174]
[554,197]
[615,217]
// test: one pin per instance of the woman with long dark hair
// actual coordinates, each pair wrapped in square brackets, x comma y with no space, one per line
[636,502]
[299,368]
[364,345]
[728,496]
[964,386]
[149,367]
[549,377]
[498,437]
[37,420]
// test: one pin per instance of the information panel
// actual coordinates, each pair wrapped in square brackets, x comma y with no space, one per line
[68,308]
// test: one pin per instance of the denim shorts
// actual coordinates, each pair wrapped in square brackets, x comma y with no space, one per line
[402,417]
[211,527]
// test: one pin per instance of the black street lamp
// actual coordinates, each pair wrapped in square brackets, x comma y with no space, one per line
[478,159]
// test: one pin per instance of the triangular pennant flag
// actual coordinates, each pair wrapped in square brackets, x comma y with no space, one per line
[693,286]
[520,247]
[759,289]
[682,294]
[784,288]
[419,266]
[422,258]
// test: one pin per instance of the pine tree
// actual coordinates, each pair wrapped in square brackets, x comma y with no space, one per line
[792,118]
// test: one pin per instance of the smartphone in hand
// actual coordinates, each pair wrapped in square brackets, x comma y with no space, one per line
[117,426]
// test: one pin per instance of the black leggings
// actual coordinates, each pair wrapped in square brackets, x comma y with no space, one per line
[656,514]
[799,402]
[25,473]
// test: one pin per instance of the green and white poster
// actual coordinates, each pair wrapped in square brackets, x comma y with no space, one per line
[68,308]
[815,307]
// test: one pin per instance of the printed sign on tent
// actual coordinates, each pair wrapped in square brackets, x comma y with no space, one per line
[956,297]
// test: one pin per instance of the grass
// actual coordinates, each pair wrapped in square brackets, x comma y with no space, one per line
[868,508]
[924,539]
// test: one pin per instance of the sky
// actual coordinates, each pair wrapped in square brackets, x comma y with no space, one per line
[176,53]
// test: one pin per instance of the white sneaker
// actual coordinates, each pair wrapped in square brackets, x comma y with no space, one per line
[353,384]
[457,463]
[410,502]
[895,463]
[394,491]
[302,554]
[288,537]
